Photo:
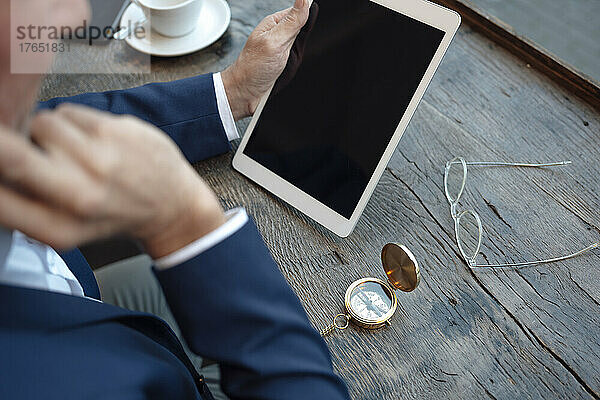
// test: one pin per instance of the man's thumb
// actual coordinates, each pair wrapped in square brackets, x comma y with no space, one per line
[295,18]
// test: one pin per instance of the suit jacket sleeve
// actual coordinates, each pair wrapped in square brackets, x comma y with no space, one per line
[233,305]
[185,109]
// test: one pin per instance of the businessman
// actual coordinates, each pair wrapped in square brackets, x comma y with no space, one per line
[104,166]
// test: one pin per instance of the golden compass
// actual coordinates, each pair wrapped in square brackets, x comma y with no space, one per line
[371,302]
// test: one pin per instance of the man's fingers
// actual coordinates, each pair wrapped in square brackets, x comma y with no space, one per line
[24,166]
[19,158]
[37,220]
[86,119]
[313,14]
[54,132]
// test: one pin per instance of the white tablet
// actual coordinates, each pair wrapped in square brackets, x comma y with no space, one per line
[321,140]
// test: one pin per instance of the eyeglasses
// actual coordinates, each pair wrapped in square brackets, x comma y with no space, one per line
[467,224]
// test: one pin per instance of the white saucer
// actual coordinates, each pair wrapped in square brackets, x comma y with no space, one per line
[212,24]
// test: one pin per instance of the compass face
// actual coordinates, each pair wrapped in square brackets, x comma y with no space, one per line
[370,301]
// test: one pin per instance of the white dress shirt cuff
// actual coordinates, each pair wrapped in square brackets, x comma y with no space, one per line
[236,219]
[224,108]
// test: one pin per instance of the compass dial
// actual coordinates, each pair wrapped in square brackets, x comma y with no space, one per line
[370,301]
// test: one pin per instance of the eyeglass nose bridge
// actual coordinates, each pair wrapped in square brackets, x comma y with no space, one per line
[453,210]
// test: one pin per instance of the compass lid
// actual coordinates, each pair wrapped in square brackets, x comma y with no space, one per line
[401,267]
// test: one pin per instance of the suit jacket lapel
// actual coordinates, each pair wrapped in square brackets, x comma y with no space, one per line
[31,308]
[48,311]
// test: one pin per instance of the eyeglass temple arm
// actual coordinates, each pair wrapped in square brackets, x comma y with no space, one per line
[508,164]
[551,260]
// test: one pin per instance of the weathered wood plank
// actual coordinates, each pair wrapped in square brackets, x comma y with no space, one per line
[561,72]
[567,29]
[500,334]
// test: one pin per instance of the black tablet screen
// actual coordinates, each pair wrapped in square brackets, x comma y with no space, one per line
[325,128]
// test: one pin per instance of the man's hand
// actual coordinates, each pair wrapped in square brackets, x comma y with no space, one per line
[95,174]
[263,58]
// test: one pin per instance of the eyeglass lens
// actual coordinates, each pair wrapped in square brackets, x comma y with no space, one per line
[468,235]
[455,178]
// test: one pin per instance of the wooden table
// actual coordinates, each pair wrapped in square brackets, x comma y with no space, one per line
[528,333]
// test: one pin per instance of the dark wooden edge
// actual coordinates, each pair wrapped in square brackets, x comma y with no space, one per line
[534,55]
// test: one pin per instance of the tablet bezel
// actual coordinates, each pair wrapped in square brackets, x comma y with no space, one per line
[429,13]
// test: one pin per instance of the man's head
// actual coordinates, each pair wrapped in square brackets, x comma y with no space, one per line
[18,91]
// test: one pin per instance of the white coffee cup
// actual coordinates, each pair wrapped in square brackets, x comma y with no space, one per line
[173,18]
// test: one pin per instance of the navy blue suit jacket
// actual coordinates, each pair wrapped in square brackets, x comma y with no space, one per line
[231,302]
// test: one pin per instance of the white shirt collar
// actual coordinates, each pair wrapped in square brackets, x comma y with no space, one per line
[34,265]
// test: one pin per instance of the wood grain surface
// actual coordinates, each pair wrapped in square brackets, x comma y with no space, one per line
[504,334]
[528,50]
